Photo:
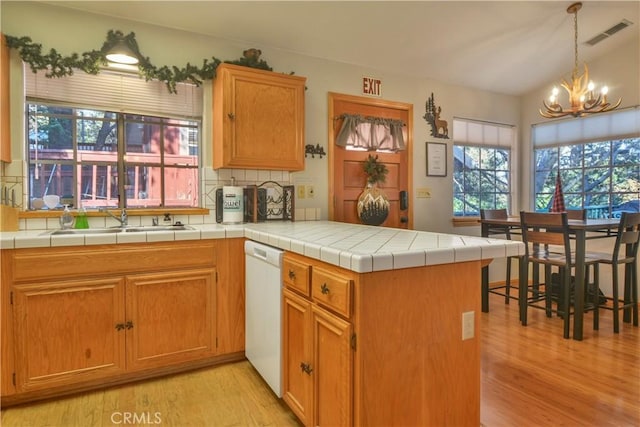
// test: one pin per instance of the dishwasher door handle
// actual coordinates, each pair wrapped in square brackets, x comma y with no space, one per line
[260,253]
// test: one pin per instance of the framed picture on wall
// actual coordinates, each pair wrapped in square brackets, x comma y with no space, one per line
[436,159]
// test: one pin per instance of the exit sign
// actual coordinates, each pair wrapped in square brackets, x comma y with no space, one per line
[371,86]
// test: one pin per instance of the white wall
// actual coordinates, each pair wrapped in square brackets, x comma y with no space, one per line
[70,31]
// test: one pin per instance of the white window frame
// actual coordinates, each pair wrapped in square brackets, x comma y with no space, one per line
[485,134]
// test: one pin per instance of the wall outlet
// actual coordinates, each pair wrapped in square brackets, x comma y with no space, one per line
[302,192]
[310,192]
[468,325]
[423,193]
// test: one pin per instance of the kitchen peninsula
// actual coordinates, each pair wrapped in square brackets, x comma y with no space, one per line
[399,296]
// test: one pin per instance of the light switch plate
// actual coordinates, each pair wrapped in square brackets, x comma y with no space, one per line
[423,193]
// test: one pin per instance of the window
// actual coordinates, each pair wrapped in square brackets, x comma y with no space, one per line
[142,143]
[603,177]
[598,159]
[481,166]
[82,156]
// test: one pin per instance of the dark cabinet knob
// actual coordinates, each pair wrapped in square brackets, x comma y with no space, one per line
[306,368]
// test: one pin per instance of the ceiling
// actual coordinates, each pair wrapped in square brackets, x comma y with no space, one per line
[509,47]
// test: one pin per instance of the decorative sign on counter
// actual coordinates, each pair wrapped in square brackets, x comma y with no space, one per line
[371,86]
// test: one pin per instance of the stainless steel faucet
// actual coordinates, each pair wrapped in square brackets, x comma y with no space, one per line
[123,219]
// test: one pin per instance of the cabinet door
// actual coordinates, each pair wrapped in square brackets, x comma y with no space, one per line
[230,297]
[258,119]
[296,356]
[170,317]
[5,136]
[65,332]
[332,370]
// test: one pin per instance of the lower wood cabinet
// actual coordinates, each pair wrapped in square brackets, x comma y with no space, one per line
[63,327]
[317,350]
[170,318]
[380,348]
[65,332]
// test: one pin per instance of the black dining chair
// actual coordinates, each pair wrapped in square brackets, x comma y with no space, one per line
[625,252]
[547,242]
[492,230]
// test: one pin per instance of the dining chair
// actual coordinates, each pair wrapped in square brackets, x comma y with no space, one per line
[547,242]
[502,290]
[625,252]
[578,214]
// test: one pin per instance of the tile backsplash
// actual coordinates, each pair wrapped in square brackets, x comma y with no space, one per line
[13,178]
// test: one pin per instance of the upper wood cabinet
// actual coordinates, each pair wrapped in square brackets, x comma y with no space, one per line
[258,119]
[5,135]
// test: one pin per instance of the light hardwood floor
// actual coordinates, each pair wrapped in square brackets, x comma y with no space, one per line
[531,376]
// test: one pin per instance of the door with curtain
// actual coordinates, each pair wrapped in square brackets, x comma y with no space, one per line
[347,179]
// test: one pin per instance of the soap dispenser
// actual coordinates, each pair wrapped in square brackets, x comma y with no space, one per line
[81,220]
[66,220]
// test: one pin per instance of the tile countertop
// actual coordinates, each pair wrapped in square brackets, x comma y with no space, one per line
[359,248]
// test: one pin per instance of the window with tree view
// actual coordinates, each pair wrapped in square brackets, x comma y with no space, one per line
[480,179]
[482,176]
[602,177]
[96,158]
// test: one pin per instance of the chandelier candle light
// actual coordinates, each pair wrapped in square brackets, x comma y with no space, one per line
[581,91]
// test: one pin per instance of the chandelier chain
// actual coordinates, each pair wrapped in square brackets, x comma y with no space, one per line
[575,42]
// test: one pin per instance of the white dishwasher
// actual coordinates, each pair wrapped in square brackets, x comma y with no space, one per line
[263,287]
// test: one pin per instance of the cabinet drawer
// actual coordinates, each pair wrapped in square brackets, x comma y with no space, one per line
[331,290]
[295,275]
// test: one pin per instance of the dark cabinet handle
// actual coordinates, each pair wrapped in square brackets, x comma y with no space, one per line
[292,274]
[129,324]
[325,289]
[231,116]
[306,368]
[119,326]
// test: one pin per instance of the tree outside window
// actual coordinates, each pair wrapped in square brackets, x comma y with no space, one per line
[603,177]
[480,179]
[82,156]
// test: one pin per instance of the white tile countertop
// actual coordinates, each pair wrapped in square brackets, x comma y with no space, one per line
[359,248]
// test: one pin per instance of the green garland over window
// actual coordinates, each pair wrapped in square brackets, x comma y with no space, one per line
[91,62]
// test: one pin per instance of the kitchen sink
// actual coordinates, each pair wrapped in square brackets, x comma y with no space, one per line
[128,229]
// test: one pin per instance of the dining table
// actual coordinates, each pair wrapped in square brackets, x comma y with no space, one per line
[581,230]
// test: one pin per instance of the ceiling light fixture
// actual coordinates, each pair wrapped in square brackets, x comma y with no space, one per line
[582,97]
[121,53]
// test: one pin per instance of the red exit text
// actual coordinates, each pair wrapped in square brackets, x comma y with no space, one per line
[371,86]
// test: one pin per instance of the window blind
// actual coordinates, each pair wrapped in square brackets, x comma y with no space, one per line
[617,124]
[120,92]
[473,132]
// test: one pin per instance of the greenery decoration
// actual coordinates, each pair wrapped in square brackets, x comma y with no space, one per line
[91,62]
[375,170]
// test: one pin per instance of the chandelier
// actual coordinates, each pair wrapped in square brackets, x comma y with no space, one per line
[583,99]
